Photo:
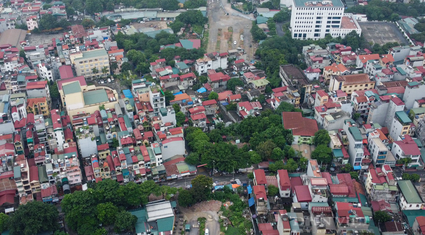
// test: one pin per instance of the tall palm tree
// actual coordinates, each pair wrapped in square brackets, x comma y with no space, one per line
[94,71]
[105,70]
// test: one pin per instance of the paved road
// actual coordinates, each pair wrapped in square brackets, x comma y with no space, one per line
[181,183]
[279,30]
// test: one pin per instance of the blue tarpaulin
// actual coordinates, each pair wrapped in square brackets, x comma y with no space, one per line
[219,187]
[249,189]
[178,93]
[251,201]
[127,94]
[224,103]
[201,90]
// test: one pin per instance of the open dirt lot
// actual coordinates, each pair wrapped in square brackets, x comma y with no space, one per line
[225,29]
[151,24]
[42,39]
[382,32]
[305,149]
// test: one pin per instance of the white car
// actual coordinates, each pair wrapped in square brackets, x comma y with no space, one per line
[234,42]
[207,232]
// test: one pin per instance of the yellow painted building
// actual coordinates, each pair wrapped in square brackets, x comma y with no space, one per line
[38,106]
[86,101]
[84,63]
[350,83]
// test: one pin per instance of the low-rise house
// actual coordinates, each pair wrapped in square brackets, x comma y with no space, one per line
[217,80]
[318,189]
[284,183]
[322,218]
[172,147]
[407,148]
[351,83]
[157,217]
[211,107]
[409,196]
[350,217]
[260,84]
[419,225]
[240,65]
[246,108]
[334,70]
[261,201]
[302,196]
[381,185]
[303,129]
[312,74]
[259,177]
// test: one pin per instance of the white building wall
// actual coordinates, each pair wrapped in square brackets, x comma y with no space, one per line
[408,206]
[413,93]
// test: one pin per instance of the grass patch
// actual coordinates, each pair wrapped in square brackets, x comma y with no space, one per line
[217,46]
[230,29]
[204,43]
[197,29]
[231,231]
[202,221]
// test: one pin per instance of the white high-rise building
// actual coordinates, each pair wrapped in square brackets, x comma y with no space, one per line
[315,19]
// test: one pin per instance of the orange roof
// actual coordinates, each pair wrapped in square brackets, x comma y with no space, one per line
[65,47]
[387,59]
[365,58]
[116,51]
[119,57]
[179,97]
[336,68]
[382,135]
[32,101]
[342,68]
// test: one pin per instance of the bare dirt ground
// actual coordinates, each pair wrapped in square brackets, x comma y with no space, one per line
[151,24]
[42,39]
[207,210]
[225,29]
[305,149]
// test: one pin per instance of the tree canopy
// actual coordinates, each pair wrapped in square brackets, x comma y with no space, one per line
[233,83]
[390,11]
[322,137]
[33,218]
[106,203]
[257,33]
[323,154]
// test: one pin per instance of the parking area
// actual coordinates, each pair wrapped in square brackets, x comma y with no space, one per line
[42,39]
[382,32]
[226,27]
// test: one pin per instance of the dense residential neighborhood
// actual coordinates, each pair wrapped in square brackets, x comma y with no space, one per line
[212,117]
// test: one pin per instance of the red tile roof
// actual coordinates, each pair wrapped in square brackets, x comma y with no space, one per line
[303,193]
[198,116]
[33,173]
[339,189]
[260,192]
[36,85]
[216,77]
[260,176]
[284,181]
[408,146]
[298,124]
[65,71]
[172,140]
[197,109]
[103,147]
[209,102]
[52,190]
[80,79]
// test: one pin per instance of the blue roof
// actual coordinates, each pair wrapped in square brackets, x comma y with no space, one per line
[201,90]
[338,153]
[178,93]
[127,93]
[175,70]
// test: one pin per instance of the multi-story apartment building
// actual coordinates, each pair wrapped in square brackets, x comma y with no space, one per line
[355,143]
[6,24]
[350,217]
[350,83]
[315,19]
[213,61]
[378,150]
[381,185]
[400,126]
[94,63]
[45,72]
[156,99]
[32,22]
[58,130]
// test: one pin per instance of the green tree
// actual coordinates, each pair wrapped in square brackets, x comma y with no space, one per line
[213,96]
[286,107]
[180,118]
[93,6]
[272,190]
[204,79]
[106,191]
[47,21]
[291,165]
[257,33]
[22,53]
[282,16]
[124,221]
[251,175]
[132,194]
[94,71]
[192,159]
[148,187]
[411,177]
[53,89]
[176,108]
[274,167]
[354,175]
[114,66]
[382,216]
[201,188]
[34,217]
[323,154]
[322,137]
[168,97]
[88,23]
[277,154]
[105,70]
[233,83]
[265,149]
[106,213]
[115,143]
[254,157]
[193,17]
[4,222]
[347,168]
[185,198]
